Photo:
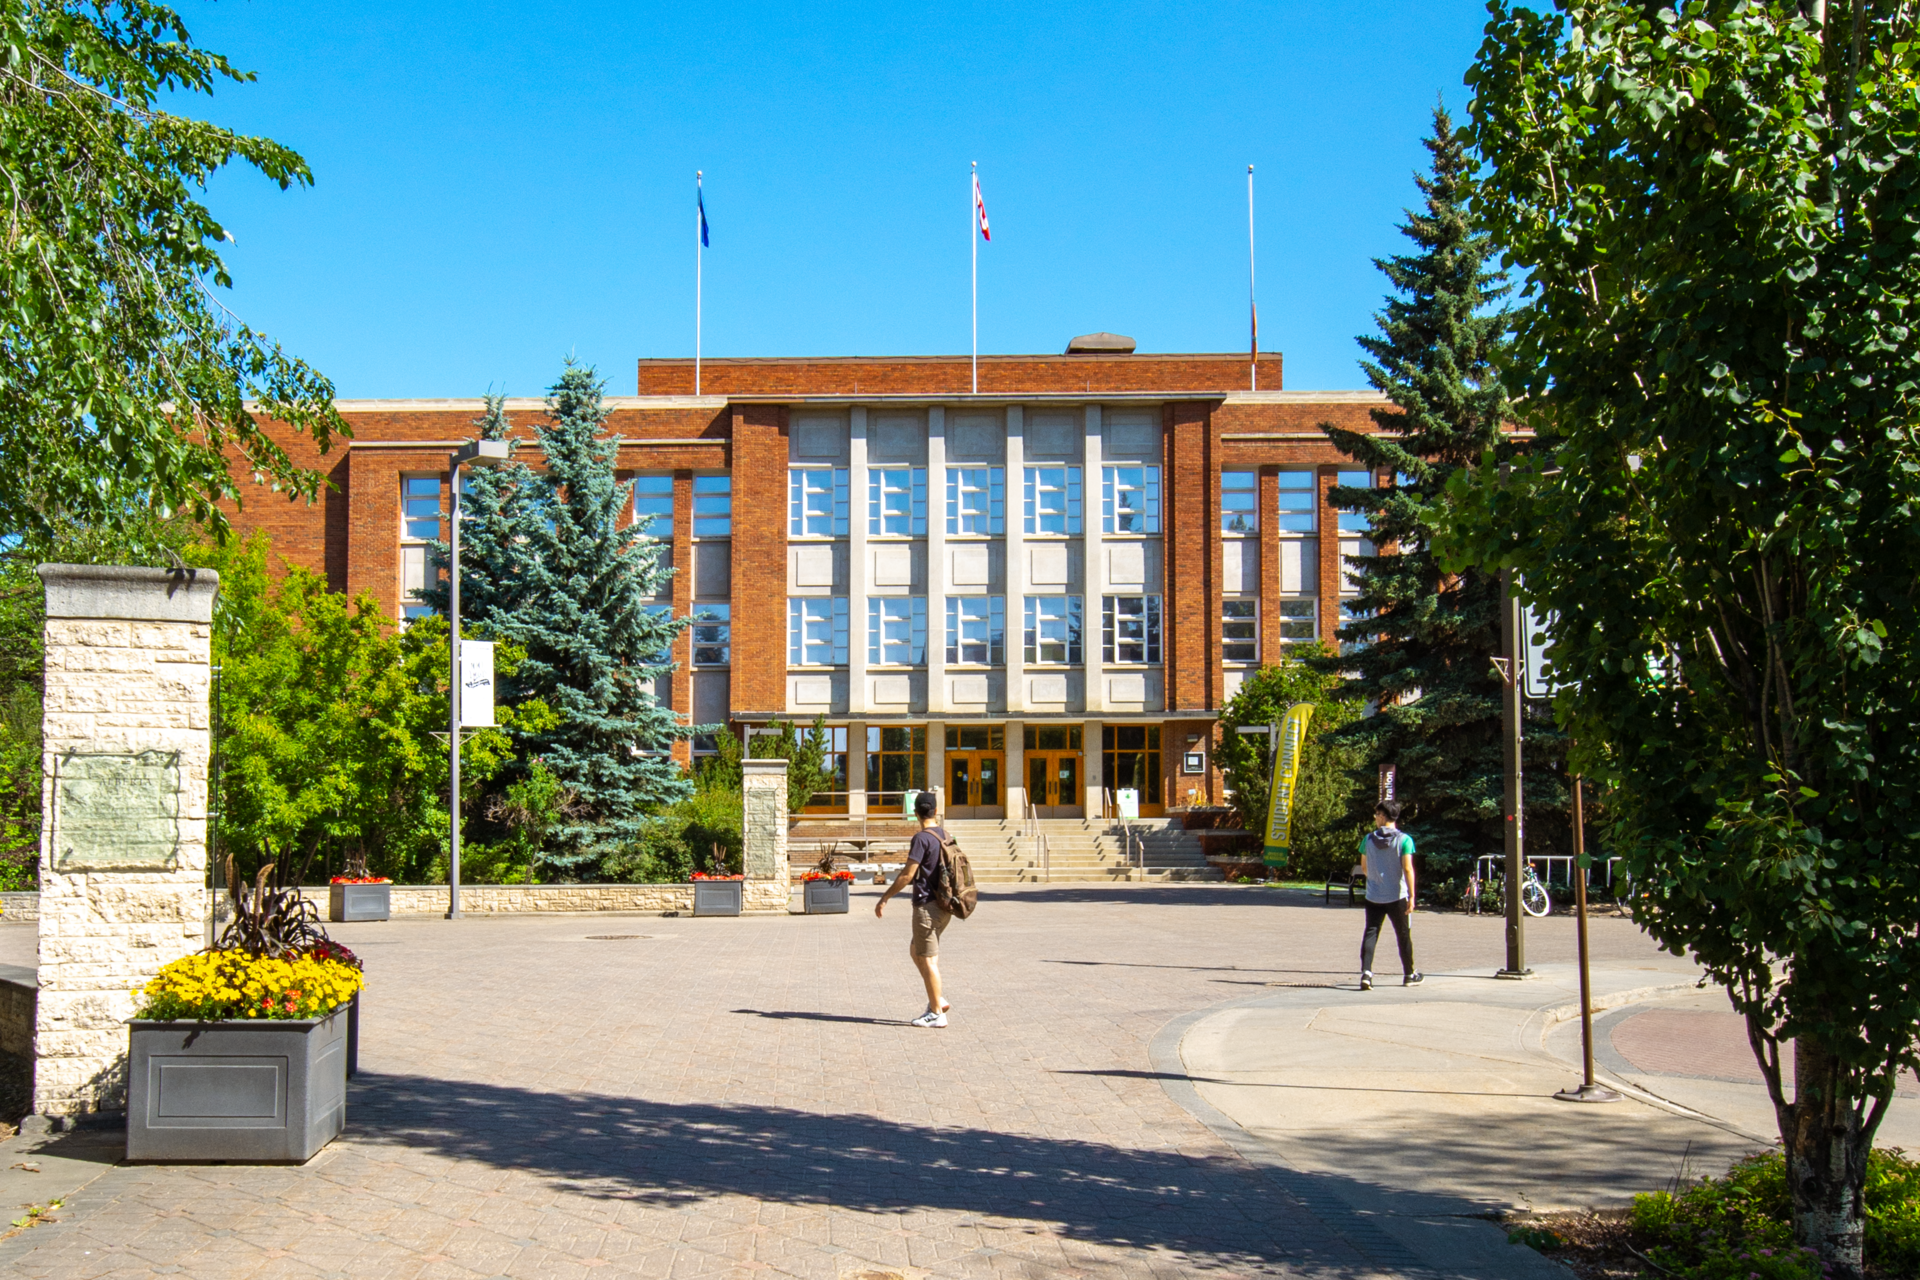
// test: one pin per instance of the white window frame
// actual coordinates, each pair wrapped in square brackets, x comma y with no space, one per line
[1239,516]
[712,501]
[976,625]
[1293,518]
[976,501]
[1053,495]
[1053,622]
[1243,614]
[715,619]
[1118,484]
[816,631]
[1130,631]
[896,502]
[896,631]
[661,530]
[817,502]
[1352,522]
[1293,611]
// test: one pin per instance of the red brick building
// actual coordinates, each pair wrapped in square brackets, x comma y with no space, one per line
[1037,594]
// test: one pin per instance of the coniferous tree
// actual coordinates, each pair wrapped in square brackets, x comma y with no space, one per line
[545,563]
[1420,642]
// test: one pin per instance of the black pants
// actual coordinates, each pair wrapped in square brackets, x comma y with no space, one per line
[1396,912]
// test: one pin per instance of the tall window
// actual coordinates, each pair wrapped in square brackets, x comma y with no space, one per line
[1350,613]
[1299,622]
[653,496]
[834,798]
[896,763]
[896,630]
[1053,500]
[712,635]
[1354,521]
[420,508]
[712,506]
[1240,630]
[1130,629]
[976,629]
[1130,758]
[977,500]
[1299,501]
[897,501]
[1130,500]
[419,525]
[1239,502]
[1053,630]
[817,631]
[817,502]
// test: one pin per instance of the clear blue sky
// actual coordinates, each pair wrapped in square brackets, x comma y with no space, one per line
[497,185]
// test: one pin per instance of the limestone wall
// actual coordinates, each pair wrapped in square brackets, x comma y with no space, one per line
[16,1017]
[761,897]
[123,849]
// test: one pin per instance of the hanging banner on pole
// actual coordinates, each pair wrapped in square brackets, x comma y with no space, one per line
[1286,771]
[476,684]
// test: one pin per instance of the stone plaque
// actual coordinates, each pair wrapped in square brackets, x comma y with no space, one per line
[116,811]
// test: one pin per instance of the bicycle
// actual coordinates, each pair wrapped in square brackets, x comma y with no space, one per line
[1534,899]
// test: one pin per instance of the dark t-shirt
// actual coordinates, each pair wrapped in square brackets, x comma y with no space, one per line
[924,854]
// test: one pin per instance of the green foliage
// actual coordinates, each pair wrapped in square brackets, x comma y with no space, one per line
[805,752]
[1717,208]
[699,833]
[19,787]
[125,385]
[548,565]
[1325,834]
[1421,648]
[326,717]
[525,814]
[1740,1225]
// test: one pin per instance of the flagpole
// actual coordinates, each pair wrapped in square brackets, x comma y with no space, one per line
[697,267]
[1253,306]
[973,244]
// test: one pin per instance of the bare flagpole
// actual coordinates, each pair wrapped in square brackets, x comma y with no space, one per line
[1253,306]
[699,219]
[973,244]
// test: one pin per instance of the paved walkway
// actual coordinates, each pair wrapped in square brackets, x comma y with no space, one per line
[676,1098]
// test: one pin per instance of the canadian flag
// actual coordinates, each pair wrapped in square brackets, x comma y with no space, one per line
[980,209]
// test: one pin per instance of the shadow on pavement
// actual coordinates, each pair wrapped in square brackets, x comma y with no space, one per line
[809,1016]
[1213,1207]
[1202,968]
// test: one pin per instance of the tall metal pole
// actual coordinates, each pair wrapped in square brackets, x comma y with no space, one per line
[973,246]
[699,216]
[1253,306]
[1515,806]
[453,691]
[1588,1090]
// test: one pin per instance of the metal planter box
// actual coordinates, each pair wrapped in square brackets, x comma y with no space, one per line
[349,902]
[827,897]
[248,1091]
[718,897]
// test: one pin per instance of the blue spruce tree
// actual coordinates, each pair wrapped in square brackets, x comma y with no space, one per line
[546,565]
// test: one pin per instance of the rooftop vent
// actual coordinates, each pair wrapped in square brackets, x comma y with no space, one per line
[1100,344]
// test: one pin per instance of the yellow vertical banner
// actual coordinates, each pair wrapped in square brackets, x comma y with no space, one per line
[1286,772]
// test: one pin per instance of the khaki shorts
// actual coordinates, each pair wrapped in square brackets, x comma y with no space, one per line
[929,922]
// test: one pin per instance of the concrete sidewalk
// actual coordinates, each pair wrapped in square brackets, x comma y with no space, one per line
[1430,1109]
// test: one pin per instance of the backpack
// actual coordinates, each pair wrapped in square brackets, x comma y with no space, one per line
[953,886]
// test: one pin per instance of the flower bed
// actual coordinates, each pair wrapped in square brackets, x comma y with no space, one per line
[220,985]
[359,880]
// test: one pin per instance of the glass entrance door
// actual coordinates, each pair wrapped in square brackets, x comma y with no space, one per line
[1131,759]
[976,763]
[973,785]
[1053,784]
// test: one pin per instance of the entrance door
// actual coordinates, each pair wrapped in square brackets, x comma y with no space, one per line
[1053,770]
[974,785]
[1053,784]
[1131,759]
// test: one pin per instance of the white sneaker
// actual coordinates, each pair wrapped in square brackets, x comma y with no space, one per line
[931,1019]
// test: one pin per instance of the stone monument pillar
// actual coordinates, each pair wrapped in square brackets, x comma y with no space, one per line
[123,841]
[763,786]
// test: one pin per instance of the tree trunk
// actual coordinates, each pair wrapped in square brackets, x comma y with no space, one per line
[1826,1148]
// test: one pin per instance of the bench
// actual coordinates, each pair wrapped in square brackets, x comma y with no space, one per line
[1353,878]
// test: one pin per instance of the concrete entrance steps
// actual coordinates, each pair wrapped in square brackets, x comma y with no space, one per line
[1079,850]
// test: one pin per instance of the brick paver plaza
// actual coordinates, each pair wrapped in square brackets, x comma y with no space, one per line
[681,1097]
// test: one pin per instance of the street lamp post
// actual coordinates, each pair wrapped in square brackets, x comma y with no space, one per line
[480,453]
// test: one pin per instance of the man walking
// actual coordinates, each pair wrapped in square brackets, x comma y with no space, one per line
[929,917]
[1387,852]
